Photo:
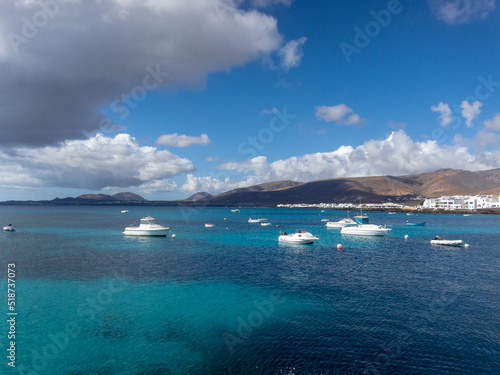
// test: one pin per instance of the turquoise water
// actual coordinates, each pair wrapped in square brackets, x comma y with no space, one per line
[232,300]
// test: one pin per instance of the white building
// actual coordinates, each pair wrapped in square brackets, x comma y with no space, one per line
[462,202]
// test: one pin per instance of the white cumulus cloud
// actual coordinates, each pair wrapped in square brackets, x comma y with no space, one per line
[398,154]
[182,140]
[95,163]
[470,111]
[291,54]
[340,113]
[445,113]
[494,123]
[455,12]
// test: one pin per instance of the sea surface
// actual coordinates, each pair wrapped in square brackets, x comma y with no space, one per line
[232,300]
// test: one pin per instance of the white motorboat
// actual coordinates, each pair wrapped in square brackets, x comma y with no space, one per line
[259,220]
[447,242]
[124,211]
[147,227]
[364,228]
[265,224]
[9,228]
[235,210]
[302,236]
[209,225]
[325,219]
[341,223]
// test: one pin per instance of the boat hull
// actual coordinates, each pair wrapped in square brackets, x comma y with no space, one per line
[146,232]
[9,229]
[300,241]
[456,243]
[365,231]
[416,224]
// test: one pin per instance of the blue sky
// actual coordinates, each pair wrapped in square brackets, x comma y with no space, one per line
[168,98]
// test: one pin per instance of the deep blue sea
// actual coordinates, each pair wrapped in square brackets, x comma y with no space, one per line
[232,300]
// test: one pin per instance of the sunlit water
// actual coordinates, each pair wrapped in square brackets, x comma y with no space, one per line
[232,300]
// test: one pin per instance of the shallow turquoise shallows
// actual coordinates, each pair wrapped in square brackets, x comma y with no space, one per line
[232,300]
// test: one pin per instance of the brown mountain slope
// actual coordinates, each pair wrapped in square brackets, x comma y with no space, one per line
[366,189]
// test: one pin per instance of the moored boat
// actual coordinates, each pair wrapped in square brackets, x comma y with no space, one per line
[422,224]
[302,236]
[148,227]
[209,225]
[258,220]
[341,223]
[364,228]
[9,228]
[447,242]
[265,224]
[439,241]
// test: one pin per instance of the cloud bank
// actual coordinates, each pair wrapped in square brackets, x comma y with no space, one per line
[62,60]
[455,12]
[396,155]
[182,140]
[95,163]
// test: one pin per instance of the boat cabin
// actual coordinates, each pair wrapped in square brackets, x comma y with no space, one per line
[362,220]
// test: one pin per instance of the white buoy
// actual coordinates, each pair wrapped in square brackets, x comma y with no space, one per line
[406,236]
[467,245]
[173,236]
[339,246]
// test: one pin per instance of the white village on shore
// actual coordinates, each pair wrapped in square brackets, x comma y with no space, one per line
[456,202]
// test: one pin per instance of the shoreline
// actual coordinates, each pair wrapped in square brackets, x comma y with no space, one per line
[407,209]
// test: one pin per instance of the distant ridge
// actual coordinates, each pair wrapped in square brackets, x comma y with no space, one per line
[112,198]
[199,197]
[374,189]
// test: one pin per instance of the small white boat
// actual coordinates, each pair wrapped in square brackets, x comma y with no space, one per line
[9,228]
[235,210]
[447,242]
[392,213]
[364,228]
[265,224]
[124,211]
[209,225]
[302,236]
[341,223]
[325,219]
[148,227]
[259,220]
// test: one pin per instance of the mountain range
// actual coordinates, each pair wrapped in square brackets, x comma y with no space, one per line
[338,190]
